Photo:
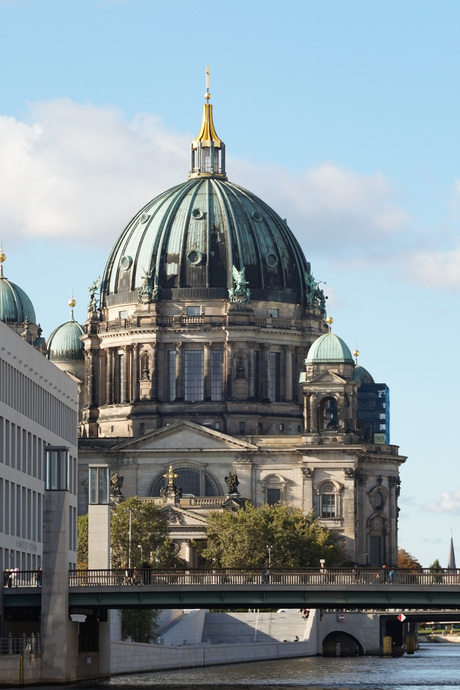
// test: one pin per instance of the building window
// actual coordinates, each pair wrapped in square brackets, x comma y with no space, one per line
[327,506]
[194,378]
[242,427]
[274,377]
[192,481]
[216,375]
[194,311]
[123,314]
[273,496]
[273,313]
[171,375]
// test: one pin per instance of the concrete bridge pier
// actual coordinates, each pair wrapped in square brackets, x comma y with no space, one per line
[59,634]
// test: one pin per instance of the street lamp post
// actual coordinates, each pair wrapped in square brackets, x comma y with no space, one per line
[269,549]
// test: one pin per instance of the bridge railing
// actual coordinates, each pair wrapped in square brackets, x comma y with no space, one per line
[232,576]
[272,576]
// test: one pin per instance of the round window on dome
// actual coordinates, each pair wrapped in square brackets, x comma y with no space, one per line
[197,213]
[195,257]
[126,262]
[271,260]
[257,216]
[144,217]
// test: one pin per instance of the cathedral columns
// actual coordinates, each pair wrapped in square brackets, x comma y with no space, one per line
[288,369]
[207,370]
[109,377]
[124,374]
[160,371]
[265,372]
[154,373]
[135,376]
[179,372]
[229,370]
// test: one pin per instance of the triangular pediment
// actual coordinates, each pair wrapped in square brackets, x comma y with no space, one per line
[178,516]
[185,436]
[327,377]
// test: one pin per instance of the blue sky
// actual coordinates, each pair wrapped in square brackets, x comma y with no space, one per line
[343,116]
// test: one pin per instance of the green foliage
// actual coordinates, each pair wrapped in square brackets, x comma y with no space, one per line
[139,625]
[240,539]
[149,535]
[436,565]
[82,541]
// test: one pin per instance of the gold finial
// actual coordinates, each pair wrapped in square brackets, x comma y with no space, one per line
[329,320]
[72,302]
[356,355]
[170,476]
[2,259]
[207,95]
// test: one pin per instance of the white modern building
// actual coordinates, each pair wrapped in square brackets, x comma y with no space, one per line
[38,408]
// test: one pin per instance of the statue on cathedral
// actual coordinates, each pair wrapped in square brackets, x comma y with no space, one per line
[314,297]
[232,483]
[147,293]
[116,482]
[239,292]
[92,305]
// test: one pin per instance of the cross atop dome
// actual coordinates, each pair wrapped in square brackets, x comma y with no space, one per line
[207,150]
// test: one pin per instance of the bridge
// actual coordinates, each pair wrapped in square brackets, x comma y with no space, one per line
[337,588]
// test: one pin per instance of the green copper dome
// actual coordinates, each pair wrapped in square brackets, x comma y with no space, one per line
[203,238]
[188,239]
[64,344]
[361,375]
[15,305]
[329,348]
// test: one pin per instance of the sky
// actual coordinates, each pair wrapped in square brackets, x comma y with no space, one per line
[343,116]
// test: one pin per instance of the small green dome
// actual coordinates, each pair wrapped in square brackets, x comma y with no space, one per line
[329,348]
[15,306]
[361,375]
[64,344]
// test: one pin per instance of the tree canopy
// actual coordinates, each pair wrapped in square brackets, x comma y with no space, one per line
[406,560]
[241,539]
[149,536]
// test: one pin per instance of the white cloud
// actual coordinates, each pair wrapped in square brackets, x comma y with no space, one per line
[77,170]
[448,502]
[436,268]
[82,171]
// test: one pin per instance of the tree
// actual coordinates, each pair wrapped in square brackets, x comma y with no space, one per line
[139,625]
[407,561]
[82,541]
[436,565]
[149,535]
[241,539]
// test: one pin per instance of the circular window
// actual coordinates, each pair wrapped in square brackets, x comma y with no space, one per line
[144,217]
[196,213]
[126,262]
[271,260]
[257,216]
[195,257]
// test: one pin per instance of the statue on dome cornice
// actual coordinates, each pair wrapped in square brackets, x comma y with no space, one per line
[92,305]
[239,292]
[147,294]
[315,297]
[232,483]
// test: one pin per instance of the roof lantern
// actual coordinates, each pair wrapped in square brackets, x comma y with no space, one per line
[207,150]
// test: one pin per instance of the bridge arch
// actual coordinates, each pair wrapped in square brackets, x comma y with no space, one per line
[339,643]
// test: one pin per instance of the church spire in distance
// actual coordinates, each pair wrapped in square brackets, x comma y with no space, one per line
[207,150]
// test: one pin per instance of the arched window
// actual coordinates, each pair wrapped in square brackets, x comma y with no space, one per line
[193,482]
[328,414]
[330,503]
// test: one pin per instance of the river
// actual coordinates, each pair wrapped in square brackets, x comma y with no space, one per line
[434,666]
